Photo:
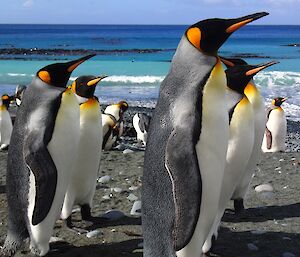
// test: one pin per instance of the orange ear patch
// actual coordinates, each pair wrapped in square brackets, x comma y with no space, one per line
[73,86]
[194,36]
[45,76]
[5,97]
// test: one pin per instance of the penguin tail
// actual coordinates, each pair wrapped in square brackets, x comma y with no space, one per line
[12,243]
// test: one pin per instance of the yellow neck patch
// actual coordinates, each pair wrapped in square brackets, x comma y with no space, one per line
[250,90]
[194,36]
[73,87]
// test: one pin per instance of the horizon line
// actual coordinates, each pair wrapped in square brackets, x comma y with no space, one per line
[130,24]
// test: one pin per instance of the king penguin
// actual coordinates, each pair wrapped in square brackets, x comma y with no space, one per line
[113,124]
[141,123]
[187,144]
[41,157]
[241,138]
[5,122]
[258,106]
[83,181]
[275,132]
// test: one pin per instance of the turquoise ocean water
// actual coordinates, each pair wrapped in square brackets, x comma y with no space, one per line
[137,57]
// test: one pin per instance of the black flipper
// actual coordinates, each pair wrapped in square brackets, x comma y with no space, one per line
[143,122]
[269,138]
[267,131]
[39,161]
[183,168]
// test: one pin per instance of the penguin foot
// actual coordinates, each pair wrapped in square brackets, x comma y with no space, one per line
[86,212]
[238,205]
[74,229]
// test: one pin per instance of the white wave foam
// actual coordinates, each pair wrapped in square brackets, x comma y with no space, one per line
[132,79]
[17,74]
[277,78]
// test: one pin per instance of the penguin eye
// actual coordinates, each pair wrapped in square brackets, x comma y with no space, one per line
[194,36]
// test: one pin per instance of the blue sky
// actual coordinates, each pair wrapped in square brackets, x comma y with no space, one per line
[144,12]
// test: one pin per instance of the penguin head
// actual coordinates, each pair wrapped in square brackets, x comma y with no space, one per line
[123,106]
[278,101]
[239,76]
[230,62]
[58,74]
[85,85]
[6,99]
[209,35]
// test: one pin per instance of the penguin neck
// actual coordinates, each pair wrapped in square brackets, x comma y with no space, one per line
[3,107]
[252,92]
[188,59]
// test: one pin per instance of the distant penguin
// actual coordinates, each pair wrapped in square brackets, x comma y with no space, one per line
[241,139]
[83,181]
[5,122]
[276,126]
[113,124]
[20,89]
[141,124]
[187,144]
[257,102]
[41,157]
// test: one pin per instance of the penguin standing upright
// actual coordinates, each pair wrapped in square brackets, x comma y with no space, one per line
[187,144]
[241,139]
[113,124]
[275,132]
[5,122]
[41,157]
[257,102]
[82,185]
[141,123]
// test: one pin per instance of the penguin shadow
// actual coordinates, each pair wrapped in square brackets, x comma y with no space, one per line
[128,248]
[99,222]
[247,244]
[2,189]
[265,213]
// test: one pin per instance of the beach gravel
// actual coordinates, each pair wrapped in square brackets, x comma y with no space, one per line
[269,227]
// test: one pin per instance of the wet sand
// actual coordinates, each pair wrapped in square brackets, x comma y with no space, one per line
[270,226]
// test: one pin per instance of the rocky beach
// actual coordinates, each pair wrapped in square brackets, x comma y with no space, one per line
[269,227]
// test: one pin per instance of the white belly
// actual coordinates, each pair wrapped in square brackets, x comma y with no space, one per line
[259,128]
[277,125]
[5,127]
[211,152]
[142,136]
[240,146]
[83,182]
[63,145]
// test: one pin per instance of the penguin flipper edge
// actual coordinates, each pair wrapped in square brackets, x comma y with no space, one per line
[183,168]
[40,163]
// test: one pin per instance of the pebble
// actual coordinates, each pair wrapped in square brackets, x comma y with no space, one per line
[288,254]
[127,151]
[264,187]
[278,168]
[94,233]
[113,215]
[76,210]
[286,238]
[104,179]
[118,190]
[281,160]
[132,197]
[54,239]
[133,188]
[252,247]
[106,197]
[136,209]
